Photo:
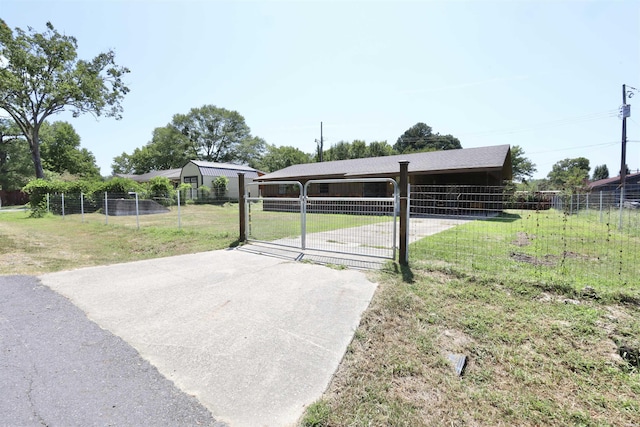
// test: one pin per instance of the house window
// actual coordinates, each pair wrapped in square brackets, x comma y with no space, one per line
[191,180]
[282,189]
[323,188]
[375,189]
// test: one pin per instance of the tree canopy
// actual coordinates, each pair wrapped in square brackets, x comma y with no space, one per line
[569,174]
[206,133]
[420,137]
[522,167]
[216,133]
[15,161]
[600,172]
[357,149]
[168,149]
[281,157]
[40,75]
[61,151]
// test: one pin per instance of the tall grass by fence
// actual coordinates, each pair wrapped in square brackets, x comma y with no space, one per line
[579,239]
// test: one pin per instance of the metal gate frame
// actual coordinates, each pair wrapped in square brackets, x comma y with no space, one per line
[304,200]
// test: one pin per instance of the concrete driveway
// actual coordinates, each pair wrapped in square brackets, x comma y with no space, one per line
[254,338]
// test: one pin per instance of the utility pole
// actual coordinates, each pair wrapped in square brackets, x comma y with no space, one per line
[320,145]
[623,160]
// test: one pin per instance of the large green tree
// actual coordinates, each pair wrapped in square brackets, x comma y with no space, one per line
[278,158]
[600,172]
[569,174]
[168,149]
[522,167]
[379,149]
[15,161]
[216,133]
[420,137]
[341,150]
[250,151]
[61,151]
[40,75]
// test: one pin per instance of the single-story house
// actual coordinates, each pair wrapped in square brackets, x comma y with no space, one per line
[473,172]
[613,184]
[172,174]
[482,166]
[200,173]
[611,187]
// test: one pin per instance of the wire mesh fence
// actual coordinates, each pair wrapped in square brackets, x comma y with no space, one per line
[582,238]
[172,212]
[549,236]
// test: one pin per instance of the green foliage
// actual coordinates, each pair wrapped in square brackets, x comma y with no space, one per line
[522,167]
[278,158]
[420,137]
[168,149]
[216,133]
[16,166]
[570,174]
[120,186]
[61,151]
[37,190]
[43,76]
[379,149]
[160,186]
[206,133]
[250,151]
[219,186]
[357,149]
[600,172]
[339,151]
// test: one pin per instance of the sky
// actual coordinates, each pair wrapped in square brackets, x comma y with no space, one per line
[544,75]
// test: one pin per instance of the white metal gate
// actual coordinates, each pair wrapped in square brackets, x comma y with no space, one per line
[347,216]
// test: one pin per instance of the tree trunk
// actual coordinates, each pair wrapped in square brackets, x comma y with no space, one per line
[34,144]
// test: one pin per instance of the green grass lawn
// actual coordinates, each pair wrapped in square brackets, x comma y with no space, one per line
[546,246]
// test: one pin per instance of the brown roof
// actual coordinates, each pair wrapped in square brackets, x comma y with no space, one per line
[614,180]
[172,174]
[462,160]
[224,169]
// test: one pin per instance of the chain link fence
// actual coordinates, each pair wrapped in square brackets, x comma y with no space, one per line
[587,239]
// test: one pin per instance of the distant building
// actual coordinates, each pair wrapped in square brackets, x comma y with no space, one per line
[613,184]
[172,174]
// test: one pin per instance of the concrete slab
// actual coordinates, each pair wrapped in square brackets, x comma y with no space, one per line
[254,338]
[367,247]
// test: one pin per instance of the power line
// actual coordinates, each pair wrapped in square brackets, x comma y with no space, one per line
[550,124]
[579,146]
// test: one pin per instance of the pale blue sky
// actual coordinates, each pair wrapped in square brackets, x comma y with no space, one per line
[545,75]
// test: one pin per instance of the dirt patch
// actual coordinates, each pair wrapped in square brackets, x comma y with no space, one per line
[547,260]
[522,239]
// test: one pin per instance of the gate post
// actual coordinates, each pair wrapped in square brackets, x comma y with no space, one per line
[241,207]
[404,183]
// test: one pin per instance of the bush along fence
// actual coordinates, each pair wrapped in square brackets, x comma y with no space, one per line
[553,237]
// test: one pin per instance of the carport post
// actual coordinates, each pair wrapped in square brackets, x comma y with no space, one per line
[404,184]
[241,206]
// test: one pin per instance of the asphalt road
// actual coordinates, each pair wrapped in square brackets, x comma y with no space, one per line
[57,368]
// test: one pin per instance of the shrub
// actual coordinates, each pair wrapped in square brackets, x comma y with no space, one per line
[120,187]
[219,186]
[161,189]
[37,190]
